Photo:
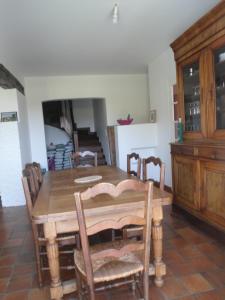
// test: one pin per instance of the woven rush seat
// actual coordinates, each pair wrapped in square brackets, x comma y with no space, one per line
[111,268]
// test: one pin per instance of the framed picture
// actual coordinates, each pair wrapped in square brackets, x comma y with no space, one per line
[9,116]
[152,116]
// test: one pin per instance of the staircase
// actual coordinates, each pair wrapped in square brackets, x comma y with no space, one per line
[88,141]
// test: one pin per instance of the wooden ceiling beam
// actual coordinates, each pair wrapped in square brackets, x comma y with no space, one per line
[9,81]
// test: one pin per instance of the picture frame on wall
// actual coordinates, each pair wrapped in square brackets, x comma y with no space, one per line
[152,116]
[9,116]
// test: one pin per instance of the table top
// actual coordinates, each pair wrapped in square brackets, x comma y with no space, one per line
[56,202]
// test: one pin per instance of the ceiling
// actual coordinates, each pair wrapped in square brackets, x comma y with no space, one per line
[64,37]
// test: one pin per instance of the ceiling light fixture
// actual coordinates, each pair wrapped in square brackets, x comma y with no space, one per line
[115,14]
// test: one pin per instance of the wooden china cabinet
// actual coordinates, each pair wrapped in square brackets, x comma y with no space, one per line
[198,163]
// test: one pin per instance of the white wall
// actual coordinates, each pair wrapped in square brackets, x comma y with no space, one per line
[162,76]
[100,121]
[83,113]
[123,94]
[8,100]
[12,155]
[55,135]
[11,165]
[23,126]
[139,138]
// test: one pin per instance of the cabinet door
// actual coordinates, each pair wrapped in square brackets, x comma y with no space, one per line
[186,181]
[216,114]
[190,97]
[213,191]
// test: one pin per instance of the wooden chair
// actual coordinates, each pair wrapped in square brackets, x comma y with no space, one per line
[37,230]
[137,231]
[37,167]
[76,159]
[131,229]
[130,157]
[116,260]
[156,162]
[31,174]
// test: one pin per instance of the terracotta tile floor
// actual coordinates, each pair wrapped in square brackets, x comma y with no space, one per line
[194,254]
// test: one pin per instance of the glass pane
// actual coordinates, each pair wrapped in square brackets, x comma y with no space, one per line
[219,62]
[192,97]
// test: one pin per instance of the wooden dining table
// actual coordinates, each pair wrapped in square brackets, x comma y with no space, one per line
[55,209]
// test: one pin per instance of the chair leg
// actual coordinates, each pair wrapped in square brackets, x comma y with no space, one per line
[92,292]
[38,264]
[124,233]
[133,286]
[146,285]
[113,235]
[79,284]
[77,240]
[37,253]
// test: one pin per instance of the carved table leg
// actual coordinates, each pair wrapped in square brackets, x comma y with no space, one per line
[56,289]
[160,268]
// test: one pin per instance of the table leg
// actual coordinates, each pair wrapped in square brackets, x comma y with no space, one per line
[157,235]
[56,289]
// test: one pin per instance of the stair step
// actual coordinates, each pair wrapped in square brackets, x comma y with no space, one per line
[86,132]
[102,162]
[88,143]
[88,137]
[92,148]
[89,161]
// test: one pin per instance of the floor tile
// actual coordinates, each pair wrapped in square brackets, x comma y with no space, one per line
[6,272]
[195,263]
[196,283]
[40,294]
[212,295]
[3,285]
[189,251]
[178,269]
[7,260]
[215,277]
[191,236]
[20,283]
[187,298]
[156,293]
[21,295]
[173,288]
[202,264]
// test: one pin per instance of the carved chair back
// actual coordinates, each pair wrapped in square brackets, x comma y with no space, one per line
[141,216]
[27,194]
[130,158]
[30,173]
[155,161]
[76,159]
[37,167]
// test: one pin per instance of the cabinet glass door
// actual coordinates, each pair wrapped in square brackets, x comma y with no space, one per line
[191,84]
[219,63]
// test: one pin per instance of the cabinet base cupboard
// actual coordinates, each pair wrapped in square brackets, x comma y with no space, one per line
[198,163]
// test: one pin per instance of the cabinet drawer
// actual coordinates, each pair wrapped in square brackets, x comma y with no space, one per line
[212,153]
[182,149]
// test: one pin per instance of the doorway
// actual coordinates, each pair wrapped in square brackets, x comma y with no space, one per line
[63,119]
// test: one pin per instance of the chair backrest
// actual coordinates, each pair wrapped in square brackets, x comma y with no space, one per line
[33,184]
[139,216]
[130,157]
[76,159]
[156,161]
[27,194]
[37,167]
